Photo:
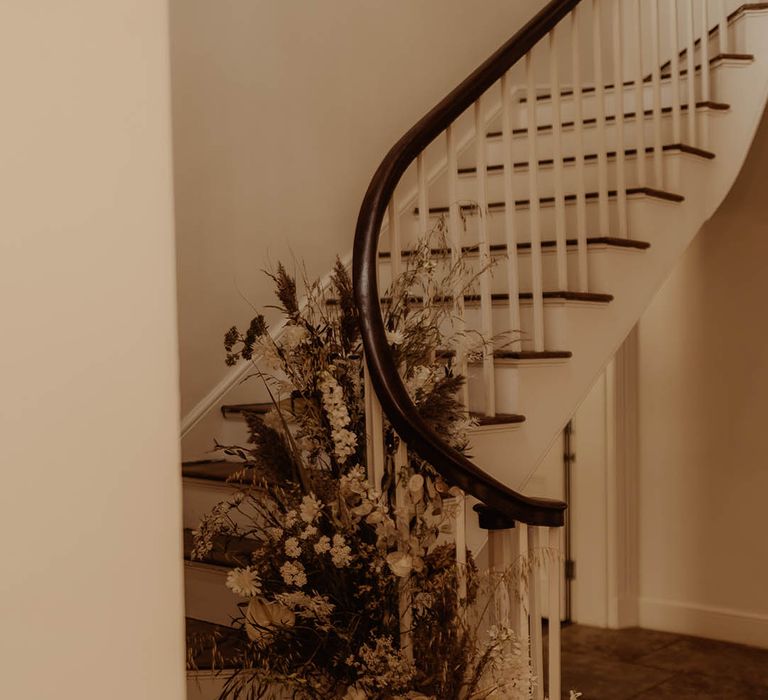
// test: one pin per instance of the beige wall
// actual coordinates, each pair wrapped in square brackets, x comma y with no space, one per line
[703,420]
[282,111]
[91,603]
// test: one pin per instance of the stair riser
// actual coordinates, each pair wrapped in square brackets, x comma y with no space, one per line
[598,259]
[206,595]
[545,140]
[545,111]
[467,189]
[205,685]
[201,496]
[636,206]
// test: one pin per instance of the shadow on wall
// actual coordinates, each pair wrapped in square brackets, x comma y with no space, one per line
[282,111]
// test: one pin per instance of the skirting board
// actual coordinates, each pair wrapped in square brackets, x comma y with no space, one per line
[725,624]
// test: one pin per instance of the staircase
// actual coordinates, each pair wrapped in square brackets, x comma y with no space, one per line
[574,167]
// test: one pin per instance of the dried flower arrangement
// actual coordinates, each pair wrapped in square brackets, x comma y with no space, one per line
[334,556]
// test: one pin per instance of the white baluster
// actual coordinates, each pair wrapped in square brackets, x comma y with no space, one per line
[423,200]
[705,70]
[534,208]
[578,119]
[534,611]
[723,30]
[395,243]
[497,564]
[658,144]
[618,91]
[460,537]
[510,228]
[602,148]
[691,67]
[557,157]
[486,309]
[674,68]
[639,96]
[520,535]
[554,578]
[454,231]
[374,432]
[402,499]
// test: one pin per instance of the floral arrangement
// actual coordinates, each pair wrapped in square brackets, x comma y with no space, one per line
[352,589]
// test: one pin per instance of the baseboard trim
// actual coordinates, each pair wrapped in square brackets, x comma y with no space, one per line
[725,624]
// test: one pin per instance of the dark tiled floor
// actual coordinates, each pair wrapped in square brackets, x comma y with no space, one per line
[635,663]
[602,664]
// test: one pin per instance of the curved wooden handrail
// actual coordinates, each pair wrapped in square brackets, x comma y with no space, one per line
[509,505]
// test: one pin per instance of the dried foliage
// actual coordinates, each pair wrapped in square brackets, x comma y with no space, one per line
[337,561]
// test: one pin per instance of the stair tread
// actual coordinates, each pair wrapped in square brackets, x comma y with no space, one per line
[499,206]
[567,92]
[593,297]
[544,162]
[498,419]
[211,646]
[210,470]
[221,470]
[609,241]
[227,551]
[260,408]
[708,104]
[520,354]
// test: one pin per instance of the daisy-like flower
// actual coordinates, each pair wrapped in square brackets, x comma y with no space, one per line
[310,508]
[341,554]
[293,573]
[292,547]
[244,582]
[323,545]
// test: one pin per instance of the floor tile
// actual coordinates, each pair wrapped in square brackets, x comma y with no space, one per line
[599,678]
[695,686]
[711,658]
[619,645]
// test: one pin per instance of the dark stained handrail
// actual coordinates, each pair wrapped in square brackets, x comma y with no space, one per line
[509,505]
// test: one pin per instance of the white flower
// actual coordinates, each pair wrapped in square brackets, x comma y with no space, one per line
[340,552]
[323,545]
[276,533]
[266,353]
[307,606]
[395,337]
[261,614]
[309,531]
[244,582]
[344,441]
[292,547]
[310,508]
[400,563]
[416,485]
[293,573]
[293,336]
[355,693]
[291,517]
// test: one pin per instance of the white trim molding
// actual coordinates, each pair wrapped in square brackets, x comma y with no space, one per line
[725,624]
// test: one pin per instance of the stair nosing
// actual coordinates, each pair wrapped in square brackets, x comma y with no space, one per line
[569,198]
[591,89]
[589,121]
[628,152]
[609,241]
